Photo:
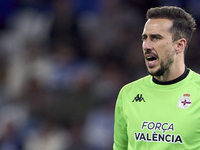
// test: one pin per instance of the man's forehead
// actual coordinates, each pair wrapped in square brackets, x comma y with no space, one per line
[156,26]
[159,22]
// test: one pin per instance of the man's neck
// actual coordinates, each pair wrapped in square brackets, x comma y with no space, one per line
[179,78]
[171,75]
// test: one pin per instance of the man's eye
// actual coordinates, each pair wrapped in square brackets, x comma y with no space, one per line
[156,38]
[143,38]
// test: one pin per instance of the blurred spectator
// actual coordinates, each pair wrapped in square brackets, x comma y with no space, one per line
[9,138]
[109,82]
[25,66]
[99,121]
[12,118]
[64,25]
[109,33]
[48,136]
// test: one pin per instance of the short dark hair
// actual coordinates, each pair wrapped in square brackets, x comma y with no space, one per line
[183,26]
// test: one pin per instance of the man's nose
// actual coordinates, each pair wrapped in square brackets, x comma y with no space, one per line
[147,44]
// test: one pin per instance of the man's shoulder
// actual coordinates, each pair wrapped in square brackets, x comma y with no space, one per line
[137,83]
[195,77]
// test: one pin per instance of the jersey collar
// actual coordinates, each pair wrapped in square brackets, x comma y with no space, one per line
[183,76]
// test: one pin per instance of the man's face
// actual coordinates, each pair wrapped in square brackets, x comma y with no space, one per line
[158,47]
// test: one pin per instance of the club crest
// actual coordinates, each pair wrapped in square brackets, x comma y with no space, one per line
[185,101]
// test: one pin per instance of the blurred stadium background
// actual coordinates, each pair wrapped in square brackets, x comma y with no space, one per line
[62,64]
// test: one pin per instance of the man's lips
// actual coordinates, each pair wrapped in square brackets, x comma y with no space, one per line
[151,59]
[150,54]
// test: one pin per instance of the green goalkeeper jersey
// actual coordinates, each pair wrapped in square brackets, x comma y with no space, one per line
[153,116]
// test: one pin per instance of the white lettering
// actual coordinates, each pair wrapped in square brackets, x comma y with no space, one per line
[168,138]
[158,126]
[158,137]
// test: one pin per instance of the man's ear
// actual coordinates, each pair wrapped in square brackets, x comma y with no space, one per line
[180,45]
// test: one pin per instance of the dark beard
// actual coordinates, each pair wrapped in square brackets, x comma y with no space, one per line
[163,68]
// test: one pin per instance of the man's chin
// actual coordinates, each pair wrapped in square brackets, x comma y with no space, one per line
[156,72]
[152,71]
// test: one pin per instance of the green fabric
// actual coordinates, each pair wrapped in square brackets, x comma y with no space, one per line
[150,116]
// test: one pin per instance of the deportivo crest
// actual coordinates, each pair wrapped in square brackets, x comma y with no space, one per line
[185,101]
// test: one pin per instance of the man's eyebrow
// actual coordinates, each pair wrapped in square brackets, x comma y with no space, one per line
[152,35]
[156,35]
[144,35]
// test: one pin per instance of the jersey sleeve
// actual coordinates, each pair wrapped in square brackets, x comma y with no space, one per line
[120,127]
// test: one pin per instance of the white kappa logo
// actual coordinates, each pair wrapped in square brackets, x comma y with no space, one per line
[185,101]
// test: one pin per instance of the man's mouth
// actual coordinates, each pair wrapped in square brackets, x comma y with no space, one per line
[151,60]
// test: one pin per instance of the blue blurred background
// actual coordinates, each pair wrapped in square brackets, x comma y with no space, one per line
[62,64]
